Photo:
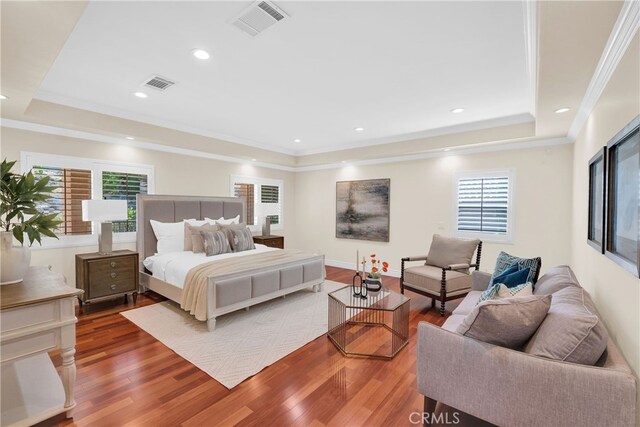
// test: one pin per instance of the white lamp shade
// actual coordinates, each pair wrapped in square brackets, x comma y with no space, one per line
[104,210]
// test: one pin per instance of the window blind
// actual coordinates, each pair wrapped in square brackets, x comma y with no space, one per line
[483,205]
[247,192]
[71,187]
[124,186]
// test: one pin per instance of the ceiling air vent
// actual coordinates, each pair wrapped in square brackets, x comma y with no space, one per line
[258,17]
[158,83]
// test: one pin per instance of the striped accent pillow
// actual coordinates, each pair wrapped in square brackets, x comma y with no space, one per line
[215,242]
[242,240]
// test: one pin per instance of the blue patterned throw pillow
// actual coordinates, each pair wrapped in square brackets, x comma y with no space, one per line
[505,261]
[490,293]
[496,278]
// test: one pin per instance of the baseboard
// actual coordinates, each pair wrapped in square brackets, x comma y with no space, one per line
[350,266]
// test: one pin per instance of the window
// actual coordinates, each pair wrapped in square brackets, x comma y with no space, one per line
[483,205]
[623,198]
[264,199]
[76,179]
[124,186]
[72,186]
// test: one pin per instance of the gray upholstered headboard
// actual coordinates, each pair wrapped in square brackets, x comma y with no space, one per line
[177,208]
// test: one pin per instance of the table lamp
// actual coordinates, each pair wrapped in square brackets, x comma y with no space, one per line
[104,211]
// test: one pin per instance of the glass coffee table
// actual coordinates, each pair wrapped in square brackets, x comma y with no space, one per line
[377,326]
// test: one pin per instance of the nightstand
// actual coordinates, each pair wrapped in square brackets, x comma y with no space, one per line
[103,276]
[271,241]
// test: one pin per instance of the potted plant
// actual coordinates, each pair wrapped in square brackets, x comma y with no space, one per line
[373,281]
[19,215]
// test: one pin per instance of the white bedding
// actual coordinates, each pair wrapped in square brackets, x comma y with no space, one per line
[173,267]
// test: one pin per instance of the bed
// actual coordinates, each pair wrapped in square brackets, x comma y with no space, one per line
[235,281]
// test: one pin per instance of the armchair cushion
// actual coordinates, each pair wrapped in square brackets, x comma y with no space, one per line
[445,251]
[428,278]
[507,322]
[505,261]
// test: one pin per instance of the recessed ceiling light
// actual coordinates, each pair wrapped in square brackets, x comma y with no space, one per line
[140,95]
[253,160]
[358,129]
[3,97]
[344,161]
[130,138]
[457,110]
[297,140]
[447,149]
[562,110]
[200,54]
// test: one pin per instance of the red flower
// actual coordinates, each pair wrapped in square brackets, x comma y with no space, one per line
[372,255]
[385,264]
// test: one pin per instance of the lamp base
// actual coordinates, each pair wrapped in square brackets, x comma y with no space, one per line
[105,238]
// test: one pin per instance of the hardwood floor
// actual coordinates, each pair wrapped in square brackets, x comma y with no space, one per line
[127,377]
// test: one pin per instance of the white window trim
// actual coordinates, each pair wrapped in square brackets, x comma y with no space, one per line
[506,238]
[259,181]
[29,159]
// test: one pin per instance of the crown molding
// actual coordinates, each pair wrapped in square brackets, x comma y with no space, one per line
[430,133]
[530,10]
[71,133]
[621,36]
[519,144]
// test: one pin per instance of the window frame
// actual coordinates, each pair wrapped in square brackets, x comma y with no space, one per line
[506,238]
[257,181]
[30,159]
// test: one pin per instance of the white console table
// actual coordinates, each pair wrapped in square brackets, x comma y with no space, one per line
[37,316]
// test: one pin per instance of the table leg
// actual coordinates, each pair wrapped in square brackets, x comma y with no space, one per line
[69,378]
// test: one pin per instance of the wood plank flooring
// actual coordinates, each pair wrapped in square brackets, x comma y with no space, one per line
[128,378]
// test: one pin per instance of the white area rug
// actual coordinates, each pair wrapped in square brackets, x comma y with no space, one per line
[244,342]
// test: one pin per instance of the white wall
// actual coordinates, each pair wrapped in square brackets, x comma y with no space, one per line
[174,174]
[422,204]
[615,291]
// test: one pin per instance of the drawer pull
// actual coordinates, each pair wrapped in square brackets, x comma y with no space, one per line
[113,264]
[113,287]
[113,275]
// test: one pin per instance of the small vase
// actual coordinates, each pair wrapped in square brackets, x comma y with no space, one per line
[373,285]
[14,260]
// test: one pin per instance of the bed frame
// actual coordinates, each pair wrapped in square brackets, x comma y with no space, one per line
[230,292]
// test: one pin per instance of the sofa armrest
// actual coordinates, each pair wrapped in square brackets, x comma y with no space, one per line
[480,280]
[508,387]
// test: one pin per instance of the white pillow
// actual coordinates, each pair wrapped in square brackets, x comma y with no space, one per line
[223,221]
[523,290]
[170,235]
[199,222]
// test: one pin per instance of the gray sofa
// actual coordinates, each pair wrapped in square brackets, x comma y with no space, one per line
[513,388]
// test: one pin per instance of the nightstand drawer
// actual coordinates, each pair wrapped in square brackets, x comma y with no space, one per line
[108,270]
[112,287]
[273,243]
[270,241]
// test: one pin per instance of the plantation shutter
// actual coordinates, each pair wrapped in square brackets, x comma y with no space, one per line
[246,191]
[71,187]
[270,197]
[483,204]
[124,186]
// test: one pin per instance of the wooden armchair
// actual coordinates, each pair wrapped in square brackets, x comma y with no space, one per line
[445,274]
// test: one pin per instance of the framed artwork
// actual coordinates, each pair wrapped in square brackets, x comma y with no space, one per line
[597,210]
[362,210]
[623,198]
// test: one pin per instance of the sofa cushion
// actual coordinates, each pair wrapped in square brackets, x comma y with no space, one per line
[555,279]
[446,251]
[507,322]
[468,303]
[572,331]
[505,261]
